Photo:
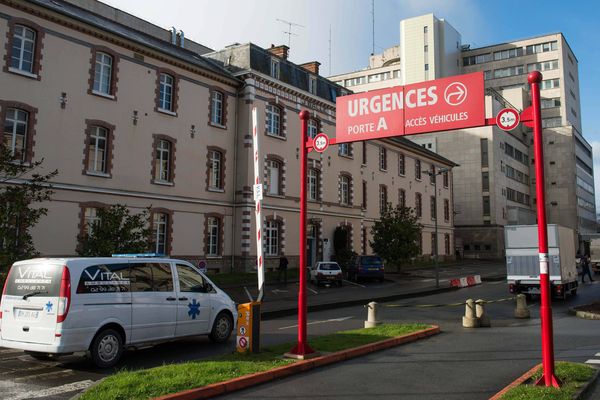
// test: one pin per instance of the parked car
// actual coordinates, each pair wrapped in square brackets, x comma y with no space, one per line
[326,272]
[54,306]
[361,267]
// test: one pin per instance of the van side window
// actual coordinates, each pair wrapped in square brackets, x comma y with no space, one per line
[151,277]
[190,280]
[105,278]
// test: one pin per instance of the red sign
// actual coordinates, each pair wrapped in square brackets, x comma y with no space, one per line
[443,104]
[321,142]
[507,119]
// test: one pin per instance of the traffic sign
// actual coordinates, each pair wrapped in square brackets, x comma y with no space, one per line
[258,192]
[507,119]
[321,142]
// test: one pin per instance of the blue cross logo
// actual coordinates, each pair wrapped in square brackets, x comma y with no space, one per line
[48,306]
[194,307]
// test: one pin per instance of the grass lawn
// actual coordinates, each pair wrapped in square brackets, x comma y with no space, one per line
[171,378]
[572,375]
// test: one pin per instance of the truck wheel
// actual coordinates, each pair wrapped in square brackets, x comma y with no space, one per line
[222,328]
[107,348]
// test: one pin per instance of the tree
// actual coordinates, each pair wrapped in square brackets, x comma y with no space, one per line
[116,232]
[396,235]
[20,188]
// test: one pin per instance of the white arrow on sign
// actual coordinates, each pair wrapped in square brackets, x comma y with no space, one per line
[455,93]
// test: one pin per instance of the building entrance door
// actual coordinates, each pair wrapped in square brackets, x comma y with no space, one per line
[311,248]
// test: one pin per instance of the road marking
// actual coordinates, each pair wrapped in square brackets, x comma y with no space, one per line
[427,280]
[276,291]
[37,367]
[65,372]
[69,387]
[312,290]
[592,362]
[355,284]
[318,322]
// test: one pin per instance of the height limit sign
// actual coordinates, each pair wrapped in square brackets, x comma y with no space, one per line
[507,119]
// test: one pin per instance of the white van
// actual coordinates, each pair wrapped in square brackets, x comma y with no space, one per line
[103,305]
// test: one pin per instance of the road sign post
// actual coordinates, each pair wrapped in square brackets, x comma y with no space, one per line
[548,378]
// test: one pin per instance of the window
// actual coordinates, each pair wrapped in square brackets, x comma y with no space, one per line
[418,205]
[383,201]
[433,207]
[213,236]
[313,184]
[274,120]
[22,57]
[272,238]
[420,243]
[364,153]
[446,210]
[447,244]
[478,59]
[274,68]
[401,164]
[434,244]
[151,277]
[510,71]
[487,75]
[484,152]
[165,100]
[274,177]
[163,161]
[550,84]
[550,103]
[364,195]
[446,179]
[551,122]
[432,175]
[506,54]
[312,84]
[160,223]
[90,218]
[344,149]
[16,128]
[97,150]
[217,108]
[345,187]
[103,73]
[543,66]
[401,198]
[541,48]
[485,181]
[105,278]
[486,206]
[190,280]
[382,158]
[215,169]
[313,128]
[418,170]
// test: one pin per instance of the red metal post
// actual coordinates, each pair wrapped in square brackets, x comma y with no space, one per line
[548,378]
[302,348]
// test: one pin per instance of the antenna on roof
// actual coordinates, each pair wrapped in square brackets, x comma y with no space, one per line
[329,49]
[373,23]
[289,31]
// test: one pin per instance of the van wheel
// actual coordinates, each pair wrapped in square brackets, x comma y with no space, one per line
[222,328]
[107,348]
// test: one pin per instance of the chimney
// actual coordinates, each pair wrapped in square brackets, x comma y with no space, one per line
[280,51]
[312,66]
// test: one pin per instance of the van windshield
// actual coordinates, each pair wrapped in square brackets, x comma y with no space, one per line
[31,278]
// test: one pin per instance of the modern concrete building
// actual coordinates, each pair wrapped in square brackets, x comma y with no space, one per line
[130,113]
[431,48]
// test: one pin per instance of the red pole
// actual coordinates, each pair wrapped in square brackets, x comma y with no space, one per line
[302,348]
[548,378]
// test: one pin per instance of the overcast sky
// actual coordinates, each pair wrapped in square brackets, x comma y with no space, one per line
[218,23]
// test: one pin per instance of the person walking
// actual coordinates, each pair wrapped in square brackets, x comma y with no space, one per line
[283,264]
[585,269]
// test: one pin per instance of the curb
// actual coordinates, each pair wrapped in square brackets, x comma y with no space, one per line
[246,381]
[580,394]
[583,314]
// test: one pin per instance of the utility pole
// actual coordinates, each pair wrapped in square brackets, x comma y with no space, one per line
[373,24]
[289,31]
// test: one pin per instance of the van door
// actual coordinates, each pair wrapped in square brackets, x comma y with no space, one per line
[194,296]
[30,303]
[154,301]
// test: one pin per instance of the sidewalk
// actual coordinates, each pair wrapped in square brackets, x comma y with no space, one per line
[282,300]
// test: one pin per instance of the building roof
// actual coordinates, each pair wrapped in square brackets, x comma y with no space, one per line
[129,33]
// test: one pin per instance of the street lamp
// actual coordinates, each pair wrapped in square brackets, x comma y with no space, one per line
[433,174]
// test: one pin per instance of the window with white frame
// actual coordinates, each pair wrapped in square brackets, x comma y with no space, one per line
[98,150]
[543,66]
[344,149]
[432,175]
[313,184]
[433,207]
[163,161]
[401,164]
[160,225]
[273,177]
[510,71]
[213,235]
[382,198]
[550,103]
[274,120]
[541,47]
[23,49]
[549,84]
[313,128]
[91,218]
[509,53]
[418,205]
[446,179]
[216,108]
[103,73]
[402,198]
[446,210]
[215,162]
[345,185]
[15,132]
[274,68]
[272,238]
[312,84]
[418,170]
[382,158]
[165,101]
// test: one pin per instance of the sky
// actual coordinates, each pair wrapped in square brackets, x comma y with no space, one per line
[342,30]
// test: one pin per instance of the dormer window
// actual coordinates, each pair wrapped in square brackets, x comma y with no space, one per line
[274,68]
[312,84]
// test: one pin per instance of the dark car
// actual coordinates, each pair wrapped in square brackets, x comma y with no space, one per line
[361,267]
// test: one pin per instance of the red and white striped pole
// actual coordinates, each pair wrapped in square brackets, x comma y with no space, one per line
[257,199]
[302,348]
[548,378]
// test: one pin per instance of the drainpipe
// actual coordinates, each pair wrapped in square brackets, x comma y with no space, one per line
[235,146]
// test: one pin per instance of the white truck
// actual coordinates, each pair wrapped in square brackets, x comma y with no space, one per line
[595,255]
[522,260]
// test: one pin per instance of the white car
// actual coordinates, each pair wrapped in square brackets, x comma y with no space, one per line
[104,305]
[326,272]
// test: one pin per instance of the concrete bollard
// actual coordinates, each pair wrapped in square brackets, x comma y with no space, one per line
[521,311]
[371,321]
[470,319]
[484,319]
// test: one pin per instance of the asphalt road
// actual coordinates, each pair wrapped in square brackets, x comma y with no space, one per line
[22,377]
